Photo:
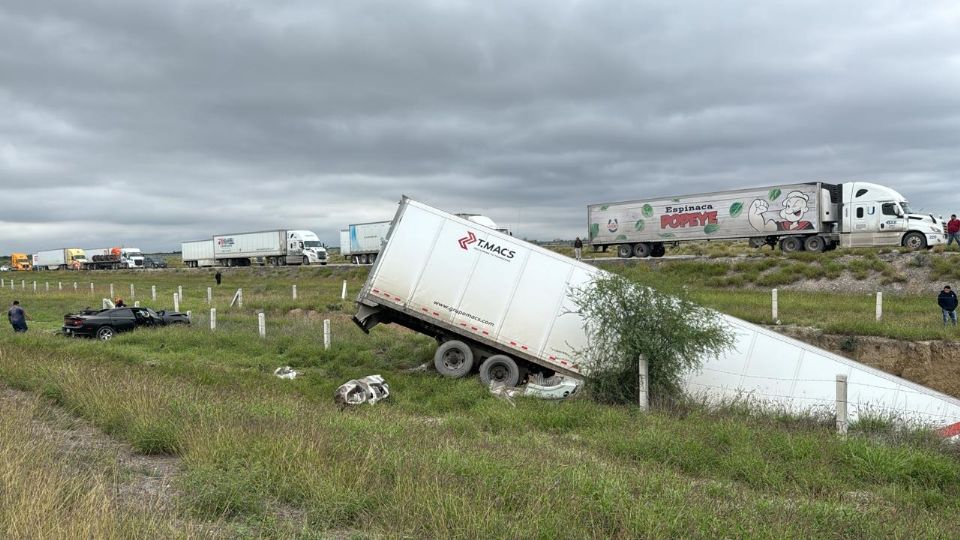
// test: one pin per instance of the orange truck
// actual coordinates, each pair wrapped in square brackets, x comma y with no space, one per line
[20,261]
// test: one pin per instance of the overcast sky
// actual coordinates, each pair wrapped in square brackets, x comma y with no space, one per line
[149,123]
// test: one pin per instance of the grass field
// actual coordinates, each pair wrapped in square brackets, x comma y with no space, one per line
[267,457]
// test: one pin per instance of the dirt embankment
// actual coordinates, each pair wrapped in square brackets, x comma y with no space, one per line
[935,364]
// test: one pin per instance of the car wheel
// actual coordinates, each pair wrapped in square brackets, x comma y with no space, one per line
[106,333]
[500,369]
[453,359]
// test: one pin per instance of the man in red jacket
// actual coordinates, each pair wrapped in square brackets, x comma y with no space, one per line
[953,230]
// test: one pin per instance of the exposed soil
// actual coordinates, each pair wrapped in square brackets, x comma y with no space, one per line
[935,364]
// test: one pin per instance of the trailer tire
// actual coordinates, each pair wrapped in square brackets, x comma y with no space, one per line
[757,243]
[791,244]
[624,251]
[642,250]
[453,359]
[914,240]
[500,369]
[658,250]
[814,243]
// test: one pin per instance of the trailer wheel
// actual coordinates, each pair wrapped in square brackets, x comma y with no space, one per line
[453,359]
[500,369]
[624,251]
[790,244]
[658,250]
[642,250]
[914,240]
[757,243]
[814,243]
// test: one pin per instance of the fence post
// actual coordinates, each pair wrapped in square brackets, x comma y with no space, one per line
[210,295]
[3,282]
[132,294]
[111,292]
[774,305]
[34,286]
[74,286]
[136,304]
[343,292]
[240,298]
[294,292]
[176,302]
[262,323]
[643,388]
[326,333]
[153,292]
[842,404]
[23,284]
[46,285]
[879,305]
[91,288]
[213,318]
[180,291]
[190,314]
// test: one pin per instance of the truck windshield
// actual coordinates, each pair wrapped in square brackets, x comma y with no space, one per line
[312,243]
[906,207]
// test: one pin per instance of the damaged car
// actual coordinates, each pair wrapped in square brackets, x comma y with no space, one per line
[103,324]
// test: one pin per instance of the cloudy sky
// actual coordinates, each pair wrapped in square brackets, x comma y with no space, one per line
[149,123]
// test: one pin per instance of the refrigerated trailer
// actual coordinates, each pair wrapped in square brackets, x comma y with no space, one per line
[505,307]
[59,259]
[360,243]
[197,253]
[812,216]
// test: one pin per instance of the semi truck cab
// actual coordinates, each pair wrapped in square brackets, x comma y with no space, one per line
[20,261]
[133,257]
[875,215]
[304,246]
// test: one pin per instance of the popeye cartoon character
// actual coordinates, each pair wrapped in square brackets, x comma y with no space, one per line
[789,218]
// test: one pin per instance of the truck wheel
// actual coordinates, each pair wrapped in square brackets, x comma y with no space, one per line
[757,243]
[105,333]
[624,251]
[658,250]
[790,244]
[914,240]
[453,359]
[306,261]
[641,250]
[500,369]
[814,243]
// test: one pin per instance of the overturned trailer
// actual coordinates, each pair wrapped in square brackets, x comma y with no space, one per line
[504,307]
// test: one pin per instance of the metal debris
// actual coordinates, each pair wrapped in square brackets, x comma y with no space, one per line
[286,372]
[555,387]
[369,389]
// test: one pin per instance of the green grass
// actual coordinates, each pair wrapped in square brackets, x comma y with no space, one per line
[443,458]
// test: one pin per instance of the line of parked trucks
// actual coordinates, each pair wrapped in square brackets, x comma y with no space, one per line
[110,258]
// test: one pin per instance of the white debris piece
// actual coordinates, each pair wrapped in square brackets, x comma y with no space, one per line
[555,387]
[369,389]
[286,372]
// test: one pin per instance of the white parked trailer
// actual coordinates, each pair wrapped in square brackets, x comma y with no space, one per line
[360,243]
[197,253]
[505,305]
[277,247]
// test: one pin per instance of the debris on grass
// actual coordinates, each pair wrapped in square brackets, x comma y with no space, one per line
[370,389]
[553,388]
[286,372]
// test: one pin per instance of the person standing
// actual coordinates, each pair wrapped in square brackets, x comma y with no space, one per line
[953,230]
[577,248]
[948,303]
[218,276]
[17,317]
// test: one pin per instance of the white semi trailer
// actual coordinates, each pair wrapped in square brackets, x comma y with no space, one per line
[59,259]
[811,216]
[505,305]
[197,254]
[360,243]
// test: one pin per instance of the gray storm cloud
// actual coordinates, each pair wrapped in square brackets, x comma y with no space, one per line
[149,123]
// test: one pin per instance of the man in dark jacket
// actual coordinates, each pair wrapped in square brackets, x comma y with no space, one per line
[948,303]
[953,230]
[17,317]
[578,247]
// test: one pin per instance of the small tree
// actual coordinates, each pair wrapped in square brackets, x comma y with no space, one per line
[625,319]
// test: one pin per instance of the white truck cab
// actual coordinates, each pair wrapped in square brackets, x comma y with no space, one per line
[133,257]
[304,247]
[875,215]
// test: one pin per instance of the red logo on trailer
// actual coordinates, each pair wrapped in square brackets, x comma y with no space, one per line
[466,240]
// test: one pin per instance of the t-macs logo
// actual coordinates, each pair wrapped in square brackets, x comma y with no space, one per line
[225,242]
[487,247]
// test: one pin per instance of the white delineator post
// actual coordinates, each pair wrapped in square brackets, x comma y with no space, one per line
[774,307]
[262,323]
[176,302]
[132,294]
[294,292]
[239,297]
[643,388]
[91,288]
[111,292]
[209,295]
[136,304]
[34,286]
[879,305]
[180,290]
[343,291]
[46,285]
[213,318]
[23,284]
[326,333]
[842,404]
[74,286]
[153,292]
[59,285]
